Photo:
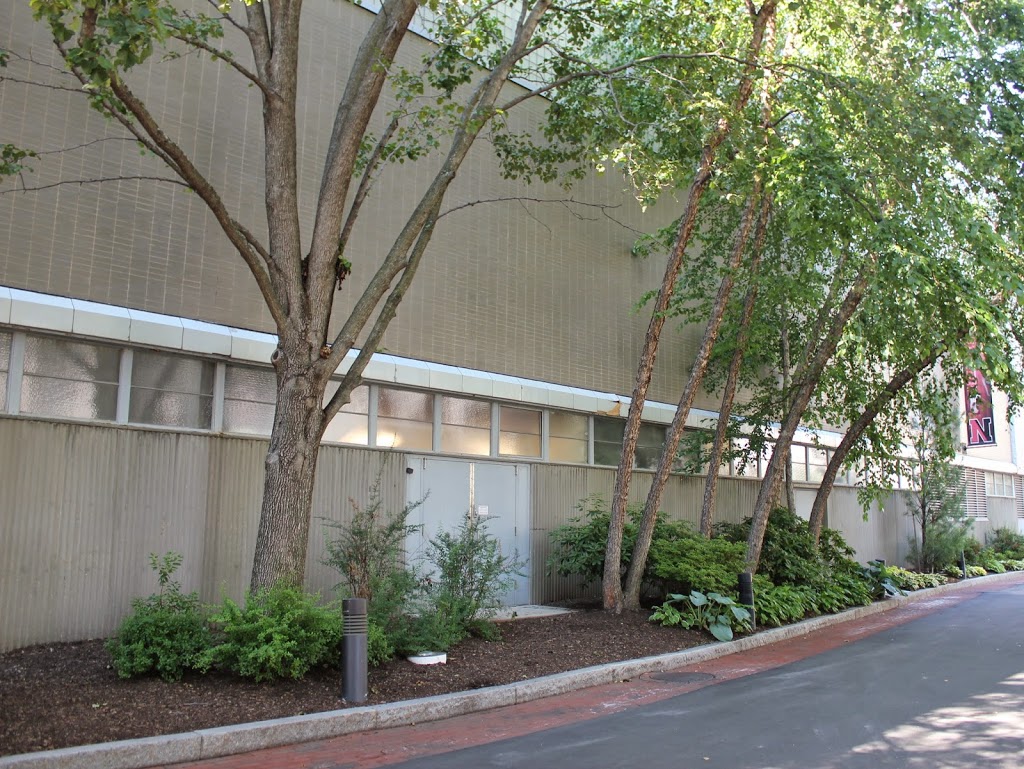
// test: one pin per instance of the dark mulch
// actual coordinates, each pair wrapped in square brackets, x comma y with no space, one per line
[57,695]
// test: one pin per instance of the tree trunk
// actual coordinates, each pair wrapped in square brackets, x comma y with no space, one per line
[290,470]
[612,582]
[808,376]
[898,381]
[787,383]
[638,561]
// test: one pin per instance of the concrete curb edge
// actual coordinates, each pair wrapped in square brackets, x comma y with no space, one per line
[242,738]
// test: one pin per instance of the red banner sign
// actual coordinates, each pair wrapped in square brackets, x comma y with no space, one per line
[981,428]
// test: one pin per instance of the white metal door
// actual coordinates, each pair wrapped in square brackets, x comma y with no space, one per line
[495,492]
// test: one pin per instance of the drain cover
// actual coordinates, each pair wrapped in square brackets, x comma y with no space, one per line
[682,678]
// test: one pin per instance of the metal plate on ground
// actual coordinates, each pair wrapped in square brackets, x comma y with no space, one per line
[682,678]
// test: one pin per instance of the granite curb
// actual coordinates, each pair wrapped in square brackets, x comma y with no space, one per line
[242,738]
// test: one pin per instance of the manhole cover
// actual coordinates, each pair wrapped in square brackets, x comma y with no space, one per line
[682,678]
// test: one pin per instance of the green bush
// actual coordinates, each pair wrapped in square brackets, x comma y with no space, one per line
[466,574]
[1013,564]
[282,632]
[715,613]
[369,554]
[987,557]
[779,605]
[1007,544]
[976,571]
[692,562]
[165,633]
[379,648]
[912,580]
[578,547]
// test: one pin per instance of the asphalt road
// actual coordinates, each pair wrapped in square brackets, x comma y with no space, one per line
[945,691]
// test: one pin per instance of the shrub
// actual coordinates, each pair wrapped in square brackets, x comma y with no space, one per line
[1013,564]
[910,580]
[879,578]
[578,547]
[976,571]
[1007,544]
[987,557]
[379,648]
[279,633]
[692,562]
[715,613]
[165,633]
[466,574]
[369,554]
[778,605]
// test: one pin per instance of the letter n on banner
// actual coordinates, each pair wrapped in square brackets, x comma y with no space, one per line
[981,429]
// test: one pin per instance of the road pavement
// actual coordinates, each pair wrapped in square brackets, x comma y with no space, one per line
[942,691]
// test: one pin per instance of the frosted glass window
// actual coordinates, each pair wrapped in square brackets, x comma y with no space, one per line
[249,395]
[351,424]
[608,440]
[799,464]
[998,485]
[519,433]
[465,426]
[817,461]
[405,419]
[5,365]
[568,437]
[171,390]
[648,446]
[67,379]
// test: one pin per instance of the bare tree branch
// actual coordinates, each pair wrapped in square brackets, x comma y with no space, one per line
[222,56]
[37,84]
[100,180]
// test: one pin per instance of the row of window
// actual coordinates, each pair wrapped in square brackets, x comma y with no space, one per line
[56,377]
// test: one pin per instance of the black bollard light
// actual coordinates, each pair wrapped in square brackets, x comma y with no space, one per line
[746,582]
[353,650]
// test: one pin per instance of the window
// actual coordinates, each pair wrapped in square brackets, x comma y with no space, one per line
[608,440]
[171,390]
[519,432]
[744,463]
[568,437]
[72,380]
[351,424]
[249,395]
[817,461]
[405,419]
[799,461]
[465,426]
[649,445]
[998,485]
[5,365]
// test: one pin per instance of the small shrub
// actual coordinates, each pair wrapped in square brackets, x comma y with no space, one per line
[976,571]
[165,633]
[1007,544]
[578,547]
[911,580]
[379,648]
[879,578]
[1012,564]
[279,633]
[466,574]
[715,613]
[779,605]
[988,558]
[369,554]
[692,562]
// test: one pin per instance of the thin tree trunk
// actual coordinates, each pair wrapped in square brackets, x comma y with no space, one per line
[707,512]
[808,376]
[638,561]
[898,381]
[612,582]
[787,383]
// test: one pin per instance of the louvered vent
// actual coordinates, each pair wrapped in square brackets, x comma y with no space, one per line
[977,506]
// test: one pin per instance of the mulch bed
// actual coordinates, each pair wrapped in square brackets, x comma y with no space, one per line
[59,695]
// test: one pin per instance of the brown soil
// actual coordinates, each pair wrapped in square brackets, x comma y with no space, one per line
[58,695]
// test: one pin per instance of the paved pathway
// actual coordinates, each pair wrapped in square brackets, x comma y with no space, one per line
[934,684]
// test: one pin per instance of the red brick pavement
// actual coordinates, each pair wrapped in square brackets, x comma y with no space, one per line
[389,746]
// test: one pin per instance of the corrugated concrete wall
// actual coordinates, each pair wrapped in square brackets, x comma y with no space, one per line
[82,506]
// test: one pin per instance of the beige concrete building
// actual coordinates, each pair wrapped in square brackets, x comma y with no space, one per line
[135,389]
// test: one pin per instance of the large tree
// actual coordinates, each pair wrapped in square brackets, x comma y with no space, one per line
[439,110]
